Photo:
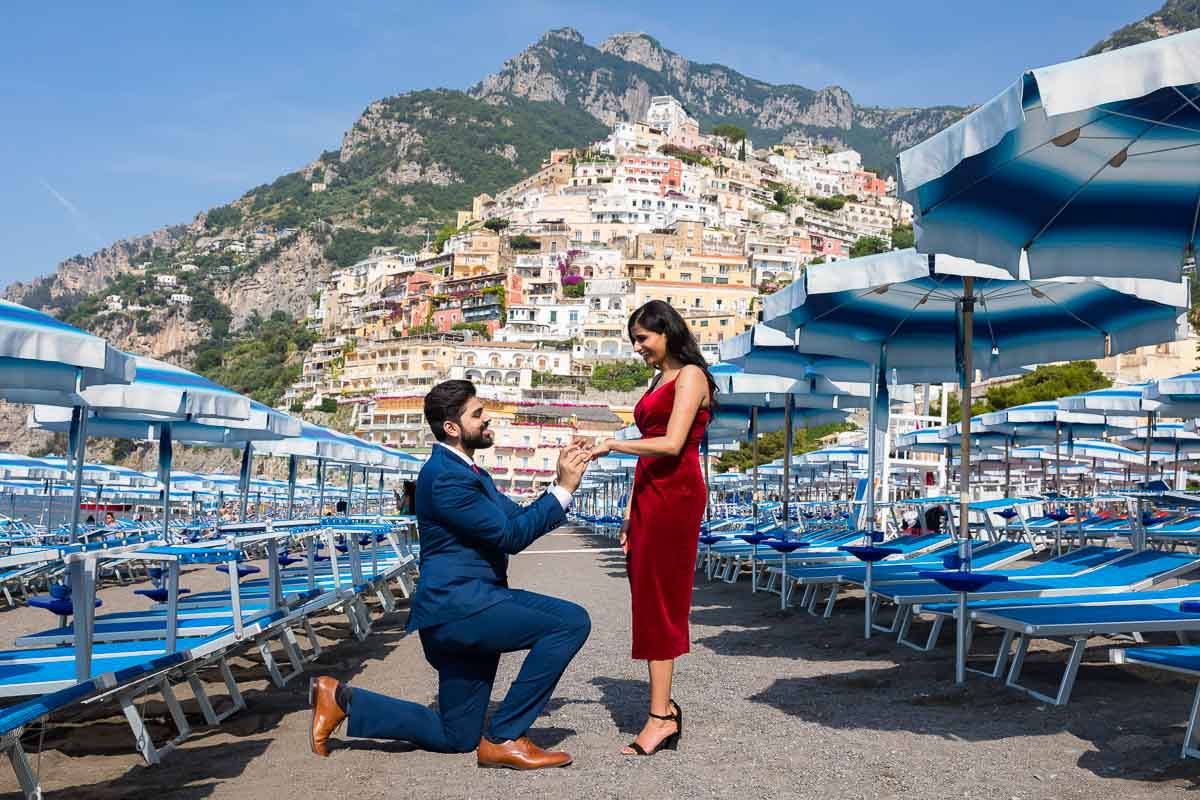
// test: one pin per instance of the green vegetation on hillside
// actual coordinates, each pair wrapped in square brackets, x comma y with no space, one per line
[1175,15]
[620,376]
[1044,383]
[260,360]
[770,446]
[461,138]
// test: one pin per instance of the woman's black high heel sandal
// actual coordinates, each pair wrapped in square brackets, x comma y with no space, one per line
[670,742]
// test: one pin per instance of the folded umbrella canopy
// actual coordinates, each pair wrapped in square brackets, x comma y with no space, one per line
[1089,167]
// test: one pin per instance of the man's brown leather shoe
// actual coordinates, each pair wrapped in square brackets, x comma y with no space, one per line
[519,754]
[327,715]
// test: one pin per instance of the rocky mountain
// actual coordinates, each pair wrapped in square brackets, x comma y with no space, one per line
[615,80]
[1176,16]
[409,161]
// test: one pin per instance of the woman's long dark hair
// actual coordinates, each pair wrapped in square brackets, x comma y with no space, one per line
[662,318]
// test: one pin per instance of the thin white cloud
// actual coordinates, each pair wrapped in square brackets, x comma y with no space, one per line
[82,223]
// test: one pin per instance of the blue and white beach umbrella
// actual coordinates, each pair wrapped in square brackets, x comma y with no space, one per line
[1088,167]
[44,360]
[934,318]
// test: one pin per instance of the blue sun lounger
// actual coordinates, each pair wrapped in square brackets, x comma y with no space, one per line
[987,556]
[1077,623]
[1182,660]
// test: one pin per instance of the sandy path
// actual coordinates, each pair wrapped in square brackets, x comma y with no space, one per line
[775,704]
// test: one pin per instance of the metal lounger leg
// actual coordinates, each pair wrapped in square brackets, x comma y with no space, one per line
[11,742]
[211,715]
[314,646]
[386,598]
[1068,679]
[152,754]
[264,650]
[931,640]
[830,601]
[1189,737]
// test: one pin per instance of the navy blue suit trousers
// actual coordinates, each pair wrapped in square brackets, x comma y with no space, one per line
[465,653]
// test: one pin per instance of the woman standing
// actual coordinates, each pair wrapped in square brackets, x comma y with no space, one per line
[666,505]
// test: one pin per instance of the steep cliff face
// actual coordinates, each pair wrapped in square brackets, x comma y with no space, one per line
[81,275]
[615,80]
[283,283]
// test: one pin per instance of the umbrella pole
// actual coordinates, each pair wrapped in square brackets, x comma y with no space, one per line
[754,459]
[320,486]
[870,526]
[965,380]
[1175,482]
[1007,467]
[165,455]
[787,460]
[79,428]
[244,482]
[1149,444]
[291,495]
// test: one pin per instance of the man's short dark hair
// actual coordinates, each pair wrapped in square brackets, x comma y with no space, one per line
[446,402]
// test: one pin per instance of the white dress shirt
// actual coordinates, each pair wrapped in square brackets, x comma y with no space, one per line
[560,494]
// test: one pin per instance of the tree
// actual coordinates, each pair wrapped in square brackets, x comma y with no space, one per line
[444,233]
[770,446]
[742,151]
[524,242]
[574,290]
[731,132]
[620,376]
[222,217]
[328,405]
[480,329]
[496,224]
[817,260]
[867,246]
[1044,383]
[903,238]
[830,204]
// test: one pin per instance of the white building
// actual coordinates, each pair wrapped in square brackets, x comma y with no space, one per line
[180,299]
[543,322]
[188,268]
[166,280]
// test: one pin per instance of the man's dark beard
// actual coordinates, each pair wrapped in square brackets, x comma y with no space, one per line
[476,442]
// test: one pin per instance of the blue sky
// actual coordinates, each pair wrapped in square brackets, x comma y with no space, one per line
[121,117]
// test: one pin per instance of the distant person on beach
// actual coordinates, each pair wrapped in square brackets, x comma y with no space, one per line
[464,610]
[109,519]
[661,530]
[91,520]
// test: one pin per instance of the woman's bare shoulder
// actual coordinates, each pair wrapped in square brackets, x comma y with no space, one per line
[692,379]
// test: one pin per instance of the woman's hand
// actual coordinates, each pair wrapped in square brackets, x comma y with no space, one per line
[624,539]
[600,449]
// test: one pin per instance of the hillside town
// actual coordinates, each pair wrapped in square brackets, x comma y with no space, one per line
[531,290]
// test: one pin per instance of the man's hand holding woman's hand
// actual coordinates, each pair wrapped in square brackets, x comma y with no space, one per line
[600,449]
[572,463]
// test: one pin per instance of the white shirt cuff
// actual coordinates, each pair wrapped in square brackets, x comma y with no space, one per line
[562,495]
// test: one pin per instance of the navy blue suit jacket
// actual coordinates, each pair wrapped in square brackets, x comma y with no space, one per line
[468,530]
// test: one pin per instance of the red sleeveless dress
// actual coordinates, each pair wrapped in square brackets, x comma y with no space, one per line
[664,531]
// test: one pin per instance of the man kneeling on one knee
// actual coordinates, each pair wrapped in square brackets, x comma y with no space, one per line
[463,608]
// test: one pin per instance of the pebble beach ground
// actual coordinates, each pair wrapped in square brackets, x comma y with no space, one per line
[776,704]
